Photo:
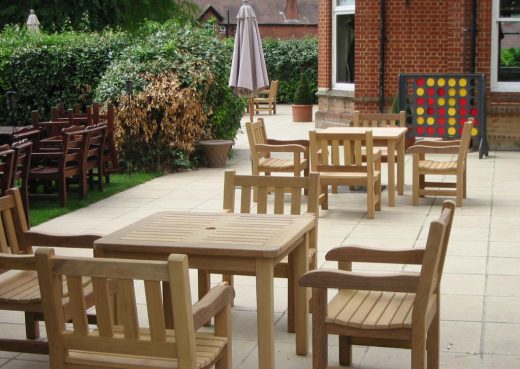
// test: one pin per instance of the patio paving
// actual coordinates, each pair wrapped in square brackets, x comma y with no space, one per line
[480,326]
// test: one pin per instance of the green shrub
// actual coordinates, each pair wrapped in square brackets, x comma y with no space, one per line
[200,62]
[47,69]
[303,94]
[287,59]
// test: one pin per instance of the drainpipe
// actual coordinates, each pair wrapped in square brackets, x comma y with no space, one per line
[382,58]
[473,36]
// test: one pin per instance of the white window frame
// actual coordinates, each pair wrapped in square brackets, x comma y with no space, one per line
[496,85]
[339,10]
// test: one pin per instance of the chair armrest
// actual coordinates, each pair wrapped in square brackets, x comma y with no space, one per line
[212,303]
[429,149]
[304,143]
[17,262]
[78,241]
[331,278]
[375,255]
[280,148]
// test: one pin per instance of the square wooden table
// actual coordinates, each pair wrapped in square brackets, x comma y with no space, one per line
[394,139]
[224,242]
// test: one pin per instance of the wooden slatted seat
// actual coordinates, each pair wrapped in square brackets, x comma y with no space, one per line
[19,289]
[400,310]
[281,189]
[422,167]
[129,343]
[341,160]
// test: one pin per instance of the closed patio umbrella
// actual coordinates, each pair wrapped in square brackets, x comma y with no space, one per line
[248,72]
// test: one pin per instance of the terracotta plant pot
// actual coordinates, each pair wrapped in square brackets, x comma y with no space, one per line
[216,152]
[302,113]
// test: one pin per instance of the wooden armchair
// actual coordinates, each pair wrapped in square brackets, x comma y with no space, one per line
[391,310]
[281,188]
[19,290]
[129,344]
[62,163]
[349,160]
[262,149]
[94,156]
[266,99]
[422,167]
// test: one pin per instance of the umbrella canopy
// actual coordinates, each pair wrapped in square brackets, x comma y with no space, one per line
[248,72]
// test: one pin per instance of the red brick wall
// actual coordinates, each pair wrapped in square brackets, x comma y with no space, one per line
[324,44]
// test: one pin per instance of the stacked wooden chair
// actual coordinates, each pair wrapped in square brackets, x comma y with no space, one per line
[458,167]
[129,344]
[398,310]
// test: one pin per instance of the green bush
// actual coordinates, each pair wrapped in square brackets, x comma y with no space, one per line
[303,94]
[200,62]
[510,57]
[287,59]
[47,69]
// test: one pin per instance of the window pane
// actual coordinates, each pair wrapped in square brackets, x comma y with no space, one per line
[345,2]
[509,51]
[345,50]
[509,8]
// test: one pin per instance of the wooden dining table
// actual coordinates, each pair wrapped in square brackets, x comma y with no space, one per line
[226,242]
[394,138]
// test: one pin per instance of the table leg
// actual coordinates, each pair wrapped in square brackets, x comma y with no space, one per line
[301,302]
[400,165]
[391,172]
[265,312]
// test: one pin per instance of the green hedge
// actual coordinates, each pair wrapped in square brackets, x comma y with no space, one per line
[47,69]
[287,59]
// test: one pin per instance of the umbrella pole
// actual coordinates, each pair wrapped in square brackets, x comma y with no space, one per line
[251,109]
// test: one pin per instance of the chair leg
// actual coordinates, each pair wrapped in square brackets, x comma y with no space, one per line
[32,328]
[345,351]
[62,188]
[459,189]
[433,344]
[370,199]
[418,348]
[325,198]
[230,280]
[290,300]
[378,193]
[464,184]
[415,181]
[223,329]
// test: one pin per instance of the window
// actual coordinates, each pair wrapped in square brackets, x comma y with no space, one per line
[343,46]
[505,53]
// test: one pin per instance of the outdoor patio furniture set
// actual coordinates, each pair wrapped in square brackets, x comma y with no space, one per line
[72,145]
[261,234]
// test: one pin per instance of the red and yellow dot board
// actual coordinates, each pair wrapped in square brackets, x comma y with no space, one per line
[437,105]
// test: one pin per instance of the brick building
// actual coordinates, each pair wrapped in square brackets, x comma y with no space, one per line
[358,72]
[276,18]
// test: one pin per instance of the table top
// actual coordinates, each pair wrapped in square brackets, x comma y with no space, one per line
[219,234]
[377,132]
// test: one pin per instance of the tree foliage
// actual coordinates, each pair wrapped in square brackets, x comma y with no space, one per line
[93,14]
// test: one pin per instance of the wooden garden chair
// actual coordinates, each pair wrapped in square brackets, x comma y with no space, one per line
[458,167]
[130,343]
[21,165]
[61,163]
[282,189]
[347,159]
[398,310]
[94,159]
[19,290]
[262,149]
[266,100]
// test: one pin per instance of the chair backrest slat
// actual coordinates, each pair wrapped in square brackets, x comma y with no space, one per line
[129,338]
[380,119]
[464,142]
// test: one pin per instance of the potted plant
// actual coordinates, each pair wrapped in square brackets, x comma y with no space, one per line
[302,102]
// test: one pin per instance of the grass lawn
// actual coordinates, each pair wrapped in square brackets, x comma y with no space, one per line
[45,209]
